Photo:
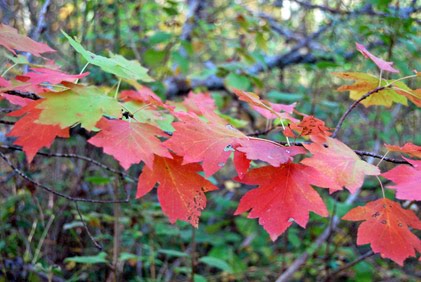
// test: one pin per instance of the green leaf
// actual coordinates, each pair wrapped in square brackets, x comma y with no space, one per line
[79,104]
[154,57]
[237,81]
[19,59]
[160,37]
[216,262]
[99,258]
[278,96]
[98,180]
[172,253]
[199,278]
[128,256]
[116,64]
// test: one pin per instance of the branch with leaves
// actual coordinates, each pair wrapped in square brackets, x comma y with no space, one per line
[178,141]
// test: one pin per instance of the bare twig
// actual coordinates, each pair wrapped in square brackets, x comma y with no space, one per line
[8,122]
[5,110]
[23,94]
[96,243]
[75,156]
[378,156]
[349,265]
[349,110]
[52,191]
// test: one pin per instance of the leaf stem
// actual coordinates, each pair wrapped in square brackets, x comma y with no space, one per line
[380,78]
[268,141]
[381,185]
[118,87]
[83,69]
[402,78]
[8,69]
[384,156]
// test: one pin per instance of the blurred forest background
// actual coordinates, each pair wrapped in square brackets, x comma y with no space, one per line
[283,50]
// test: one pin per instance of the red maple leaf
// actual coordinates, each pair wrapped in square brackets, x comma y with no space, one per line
[408,148]
[181,190]
[386,227]
[407,179]
[267,109]
[130,142]
[41,75]
[143,95]
[12,40]
[241,163]
[309,126]
[268,151]
[199,141]
[284,196]
[200,103]
[33,136]
[16,100]
[4,82]
[340,164]
[382,64]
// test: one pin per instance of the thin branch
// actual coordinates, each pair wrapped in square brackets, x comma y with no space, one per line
[378,156]
[349,265]
[401,13]
[23,94]
[52,191]
[96,243]
[358,152]
[5,110]
[8,122]
[344,116]
[75,156]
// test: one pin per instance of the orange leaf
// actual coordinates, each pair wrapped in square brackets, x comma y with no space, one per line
[181,190]
[130,142]
[386,227]
[407,179]
[340,164]
[408,148]
[199,141]
[12,40]
[284,196]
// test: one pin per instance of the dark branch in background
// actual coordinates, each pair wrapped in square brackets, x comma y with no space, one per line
[377,156]
[36,32]
[178,85]
[95,242]
[401,13]
[193,14]
[195,7]
[7,13]
[75,156]
[7,122]
[349,110]
[22,94]
[52,191]
[349,265]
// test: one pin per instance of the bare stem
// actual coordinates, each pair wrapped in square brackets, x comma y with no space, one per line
[344,116]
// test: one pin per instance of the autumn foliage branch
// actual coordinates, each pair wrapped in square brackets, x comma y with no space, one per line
[176,141]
